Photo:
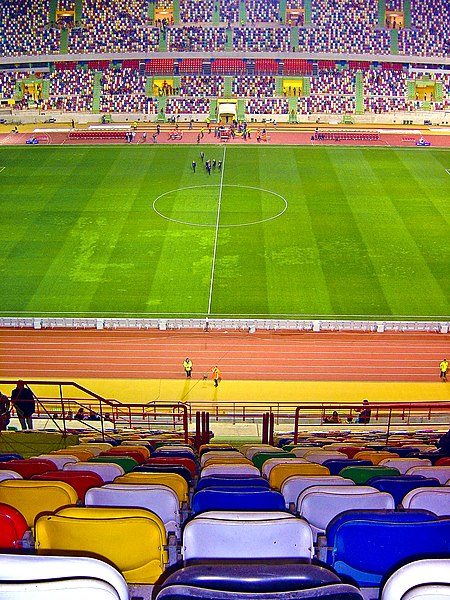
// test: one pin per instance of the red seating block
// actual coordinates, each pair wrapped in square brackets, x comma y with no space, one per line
[29,467]
[138,456]
[163,461]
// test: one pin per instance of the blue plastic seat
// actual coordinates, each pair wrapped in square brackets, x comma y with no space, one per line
[236,580]
[399,486]
[174,452]
[11,456]
[237,499]
[232,481]
[403,452]
[365,545]
[179,469]
[335,465]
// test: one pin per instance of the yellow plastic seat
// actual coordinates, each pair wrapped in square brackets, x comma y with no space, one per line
[172,480]
[32,497]
[227,461]
[142,449]
[280,473]
[375,456]
[133,539]
[83,455]
[213,447]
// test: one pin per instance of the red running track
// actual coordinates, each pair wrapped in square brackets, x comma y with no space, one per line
[326,356]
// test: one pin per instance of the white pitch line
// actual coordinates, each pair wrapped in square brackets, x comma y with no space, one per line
[446,170]
[2,169]
[217,234]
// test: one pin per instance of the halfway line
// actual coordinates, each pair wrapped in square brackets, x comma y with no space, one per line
[217,233]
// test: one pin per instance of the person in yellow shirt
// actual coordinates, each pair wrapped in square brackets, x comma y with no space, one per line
[187,364]
[216,376]
[444,368]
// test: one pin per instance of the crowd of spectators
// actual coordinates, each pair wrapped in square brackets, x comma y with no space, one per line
[201,85]
[262,39]
[258,86]
[229,11]
[200,11]
[196,39]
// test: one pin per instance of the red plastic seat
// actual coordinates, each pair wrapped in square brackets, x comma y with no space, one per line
[81,481]
[12,527]
[29,466]
[442,462]
[184,462]
[350,451]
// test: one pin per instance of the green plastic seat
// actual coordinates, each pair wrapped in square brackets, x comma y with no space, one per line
[126,462]
[361,475]
[260,458]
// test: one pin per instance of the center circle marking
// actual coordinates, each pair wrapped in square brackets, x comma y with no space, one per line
[226,185]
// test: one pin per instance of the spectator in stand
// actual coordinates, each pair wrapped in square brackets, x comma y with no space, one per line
[23,400]
[364,413]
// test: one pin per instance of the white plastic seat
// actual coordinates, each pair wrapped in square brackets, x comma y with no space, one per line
[235,515]
[321,456]
[159,499]
[403,464]
[423,579]
[320,504]
[9,475]
[273,462]
[107,471]
[442,473]
[72,577]
[247,538]
[435,499]
[230,469]
[301,452]
[294,486]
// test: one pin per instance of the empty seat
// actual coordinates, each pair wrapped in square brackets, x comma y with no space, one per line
[107,471]
[59,459]
[374,456]
[219,454]
[434,499]
[172,480]
[132,539]
[189,463]
[420,579]
[335,465]
[236,580]
[126,462]
[280,473]
[403,464]
[28,467]
[320,504]
[178,469]
[320,456]
[236,499]
[260,458]
[32,497]
[160,499]
[81,481]
[270,463]
[230,470]
[399,486]
[294,486]
[356,539]
[441,473]
[65,577]
[231,481]
[13,527]
[82,455]
[137,455]
[251,537]
[5,474]
[361,475]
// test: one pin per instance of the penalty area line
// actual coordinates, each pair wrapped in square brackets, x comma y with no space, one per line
[2,169]
[446,170]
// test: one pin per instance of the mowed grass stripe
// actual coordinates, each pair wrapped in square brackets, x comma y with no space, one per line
[420,237]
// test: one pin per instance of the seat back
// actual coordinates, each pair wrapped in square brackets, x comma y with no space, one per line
[320,456]
[335,465]
[270,463]
[122,451]
[356,544]
[126,462]
[17,569]
[159,499]
[82,455]
[219,454]
[294,486]
[442,473]
[415,575]
[399,486]
[320,504]
[280,473]
[361,475]
[403,464]
[189,463]
[260,458]
[179,469]
[5,474]
[59,459]
[32,497]
[106,470]
[13,527]
[236,499]
[132,539]
[247,538]
[172,480]
[434,499]
[28,467]
[230,469]
[81,481]
[231,481]
[375,456]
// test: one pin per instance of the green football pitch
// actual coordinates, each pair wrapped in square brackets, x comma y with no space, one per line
[281,232]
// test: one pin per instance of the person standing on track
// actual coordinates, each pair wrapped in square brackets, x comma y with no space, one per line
[443,368]
[187,364]
[216,376]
